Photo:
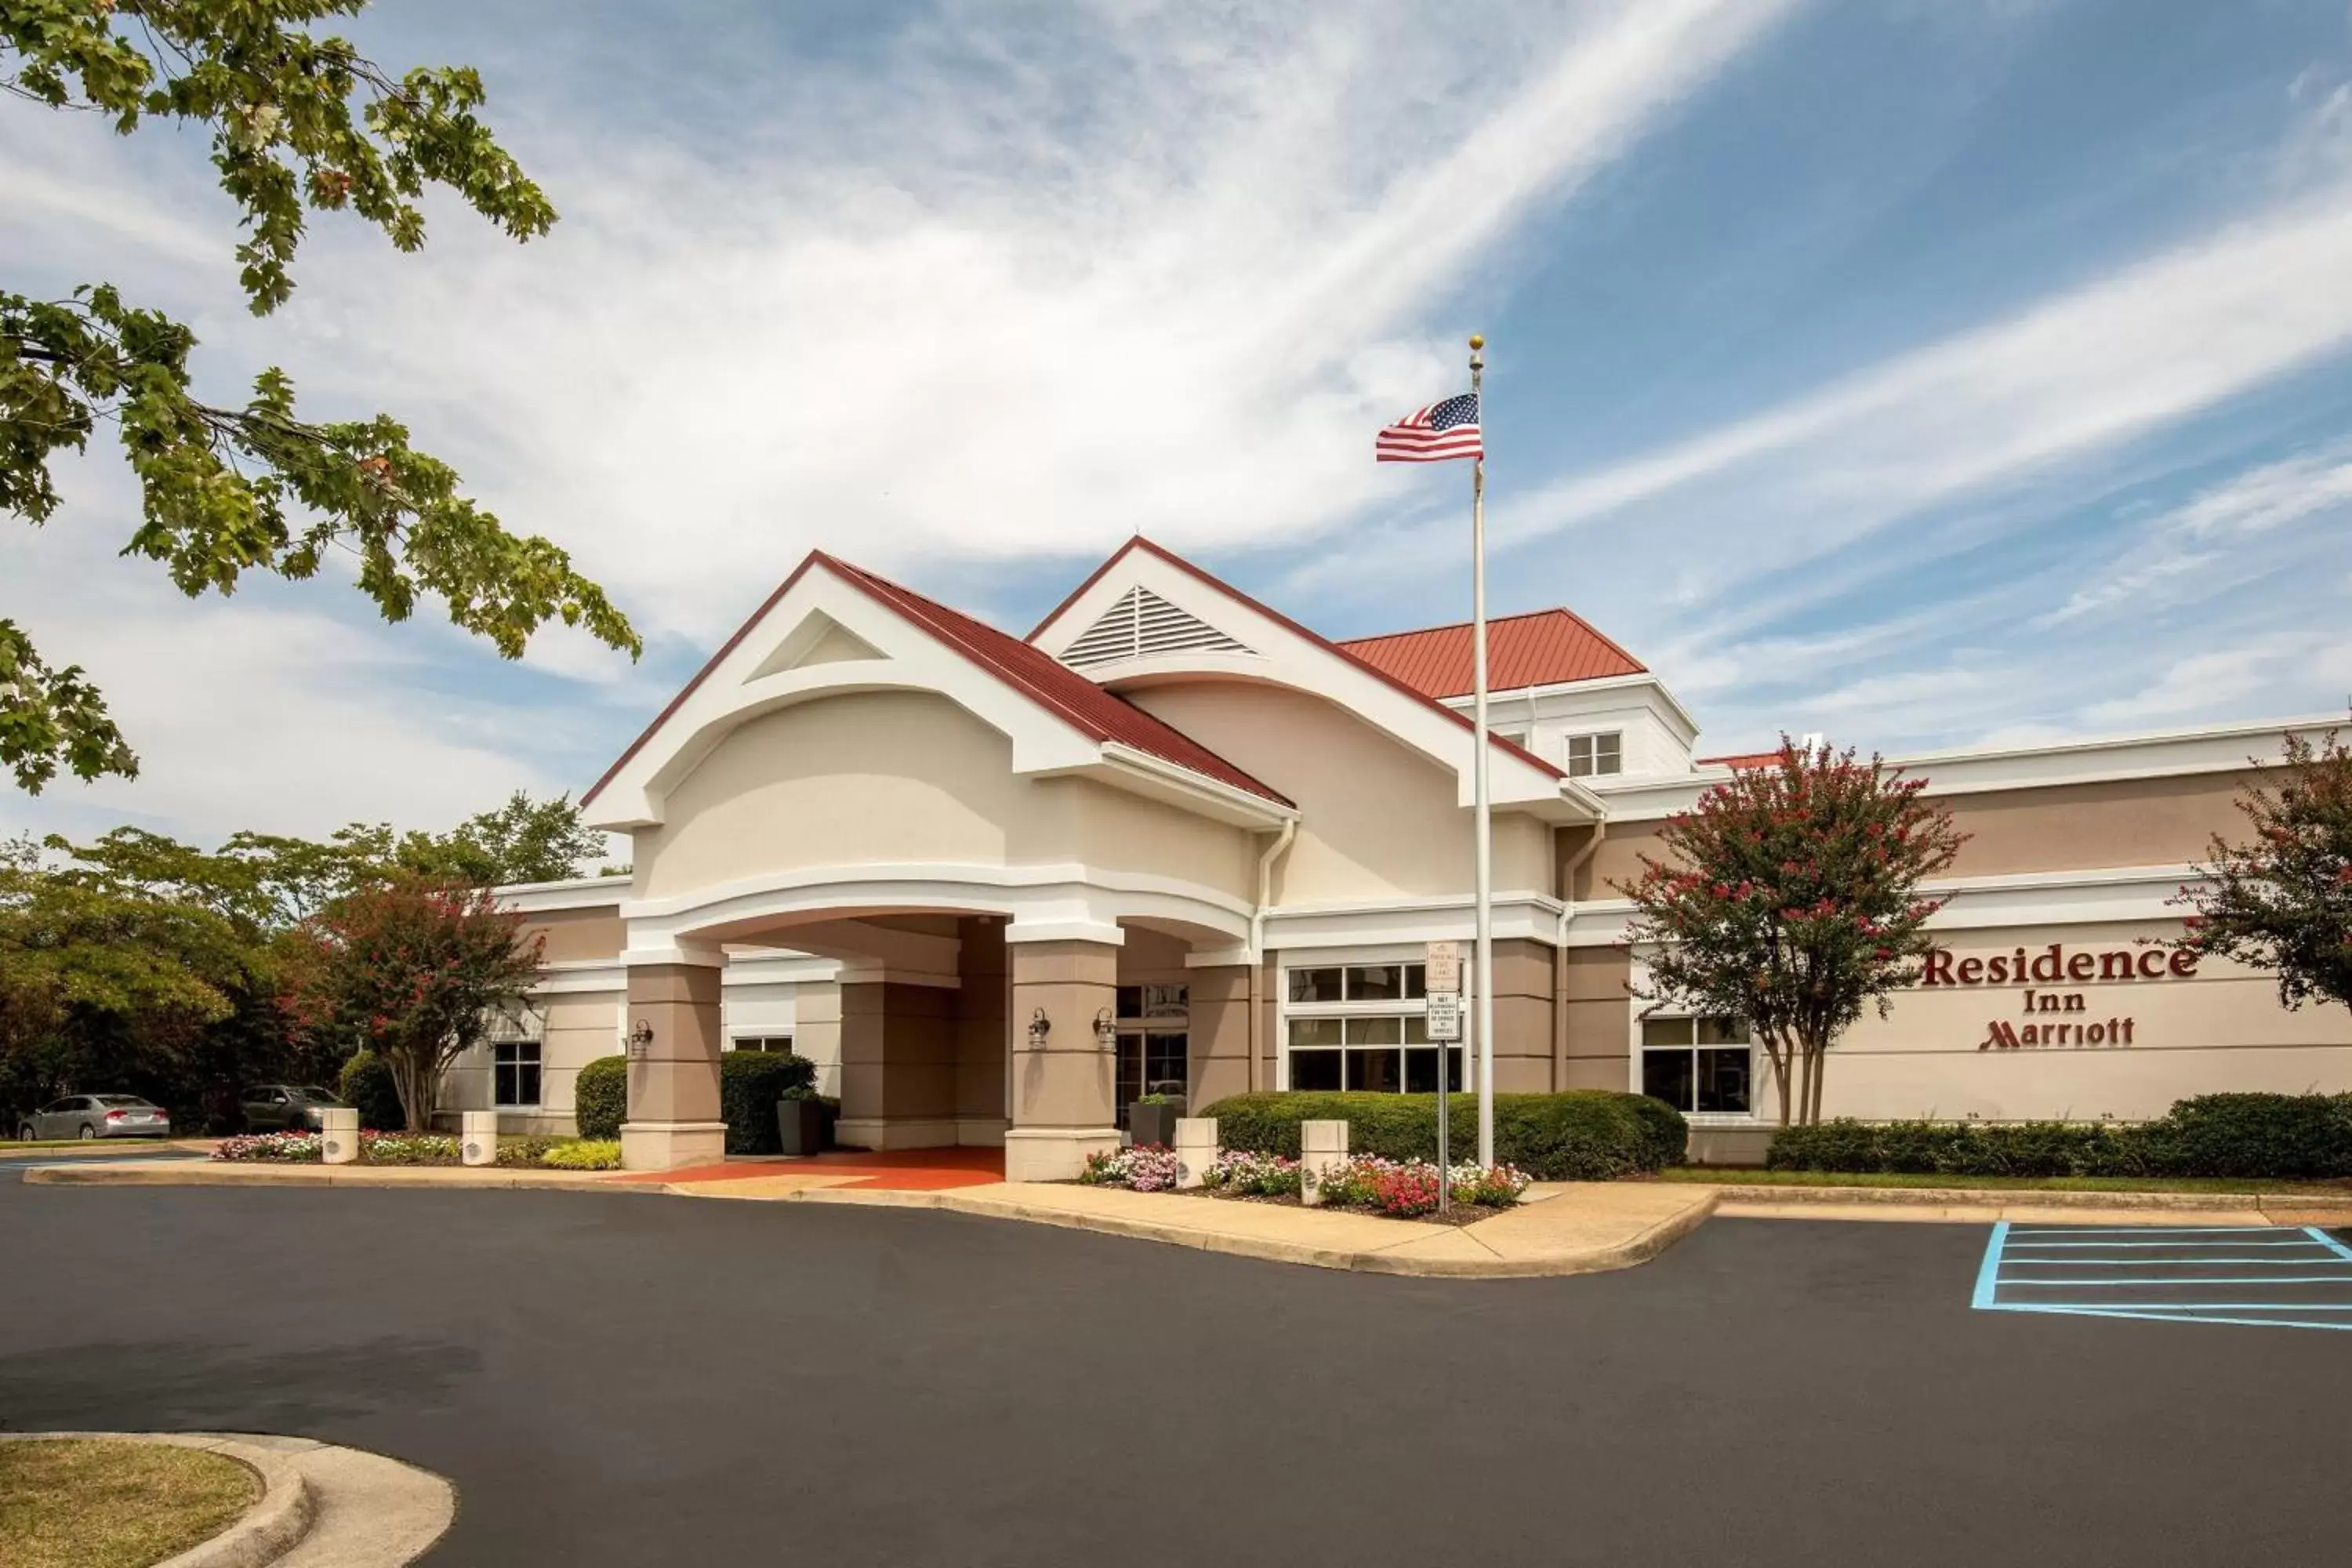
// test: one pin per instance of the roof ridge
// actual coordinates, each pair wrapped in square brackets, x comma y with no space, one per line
[1149,546]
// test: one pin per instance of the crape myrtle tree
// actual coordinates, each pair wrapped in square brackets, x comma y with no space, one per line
[300,123]
[1790,897]
[2281,899]
[410,969]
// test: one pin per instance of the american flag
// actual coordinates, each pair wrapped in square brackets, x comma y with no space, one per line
[1432,435]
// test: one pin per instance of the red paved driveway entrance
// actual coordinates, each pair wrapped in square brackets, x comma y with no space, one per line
[901,1170]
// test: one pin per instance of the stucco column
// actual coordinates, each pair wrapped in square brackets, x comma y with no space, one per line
[674,1073]
[1063,1087]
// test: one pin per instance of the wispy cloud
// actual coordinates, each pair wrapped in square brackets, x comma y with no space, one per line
[1001,291]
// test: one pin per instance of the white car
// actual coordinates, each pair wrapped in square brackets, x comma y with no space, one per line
[98,1116]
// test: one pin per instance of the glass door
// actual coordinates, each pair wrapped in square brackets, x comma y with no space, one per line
[1151,1061]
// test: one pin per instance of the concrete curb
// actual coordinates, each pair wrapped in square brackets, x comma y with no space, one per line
[1640,1249]
[212,1173]
[108,1148]
[267,1531]
[2027,1197]
[321,1506]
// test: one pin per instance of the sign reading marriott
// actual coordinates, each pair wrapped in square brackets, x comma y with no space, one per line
[2054,965]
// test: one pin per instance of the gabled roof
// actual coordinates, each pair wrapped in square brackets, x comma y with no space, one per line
[1739,760]
[1544,647]
[1102,716]
[1337,650]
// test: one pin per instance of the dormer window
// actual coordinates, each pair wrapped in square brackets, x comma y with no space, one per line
[1600,754]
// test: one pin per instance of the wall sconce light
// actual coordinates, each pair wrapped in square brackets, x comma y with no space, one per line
[1106,1031]
[1039,1027]
[640,1038]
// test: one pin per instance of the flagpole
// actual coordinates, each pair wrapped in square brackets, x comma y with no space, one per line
[1482,974]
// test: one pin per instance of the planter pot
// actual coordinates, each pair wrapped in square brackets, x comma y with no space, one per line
[1154,1124]
[801,1126]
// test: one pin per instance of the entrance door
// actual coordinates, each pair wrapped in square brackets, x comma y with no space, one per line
[1151,1061]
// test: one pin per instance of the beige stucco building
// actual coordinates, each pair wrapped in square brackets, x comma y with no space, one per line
[998,887]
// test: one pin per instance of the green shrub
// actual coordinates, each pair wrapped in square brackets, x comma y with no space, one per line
[750,1084]
[366,1084]
[601,1096]
[2303,1136]
[529,1149]
[1583,1135]
[2269,1136]
[584,1154]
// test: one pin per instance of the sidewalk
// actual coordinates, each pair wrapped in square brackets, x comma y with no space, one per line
[1983,1205]
[1562,1228]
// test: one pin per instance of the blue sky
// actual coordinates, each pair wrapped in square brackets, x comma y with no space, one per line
[1917,373]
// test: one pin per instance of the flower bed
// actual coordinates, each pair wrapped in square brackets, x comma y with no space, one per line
[1407,1189]
[1365,1183]
[1148,1169]
[422,1149]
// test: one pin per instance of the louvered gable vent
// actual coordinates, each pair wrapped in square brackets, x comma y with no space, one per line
[1144,623]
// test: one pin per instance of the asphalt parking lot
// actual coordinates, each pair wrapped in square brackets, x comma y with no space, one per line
[632,1380]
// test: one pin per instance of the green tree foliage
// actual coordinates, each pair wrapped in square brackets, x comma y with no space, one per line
[101,985]
[136,962]
[2282,899]
[299,123]
[1790,897]
[409,970]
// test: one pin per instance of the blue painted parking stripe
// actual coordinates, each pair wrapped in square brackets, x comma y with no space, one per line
[2326,1240]
[2327,1262]
[2299,1241]
[2259,1279]
[1989,1271]
[2155,1315]
[2151,1230]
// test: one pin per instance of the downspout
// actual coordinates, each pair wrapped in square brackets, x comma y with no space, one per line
[1273,852]
[1559,953]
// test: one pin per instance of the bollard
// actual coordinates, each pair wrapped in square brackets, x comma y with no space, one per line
[1321,1145]
[1196,1148]
[479,1142]
[338,1135]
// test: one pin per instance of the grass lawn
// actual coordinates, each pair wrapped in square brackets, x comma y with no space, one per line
[91,1503]
[1733,1175]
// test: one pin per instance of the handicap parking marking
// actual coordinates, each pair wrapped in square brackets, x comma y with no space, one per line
[2263,1275]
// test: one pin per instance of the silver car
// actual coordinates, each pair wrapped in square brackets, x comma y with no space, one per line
[286,1107]
[98,1116]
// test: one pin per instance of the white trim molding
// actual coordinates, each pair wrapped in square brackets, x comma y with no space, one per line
[1518,914]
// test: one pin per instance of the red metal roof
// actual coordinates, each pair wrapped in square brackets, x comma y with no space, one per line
[1093,711]
[1739,760]
[1105,715]
[1546,647]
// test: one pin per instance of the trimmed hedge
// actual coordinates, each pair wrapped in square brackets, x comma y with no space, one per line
[601,1096]
[750,1084]
[365,1083]
[2273,1136]
[1583,1135]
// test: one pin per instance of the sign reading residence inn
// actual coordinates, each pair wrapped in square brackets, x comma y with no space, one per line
[2051,970]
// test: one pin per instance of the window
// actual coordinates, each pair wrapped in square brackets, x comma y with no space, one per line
[514,1073]
[1514,733]
[1698,1066]
[1359,983]
[1364,1026]
[1154,1044]
[1601,753]
[780,1044]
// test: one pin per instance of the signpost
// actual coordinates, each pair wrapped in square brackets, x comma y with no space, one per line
[1441,986]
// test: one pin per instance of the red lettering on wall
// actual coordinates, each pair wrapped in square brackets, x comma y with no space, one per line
[1939,968]
[2151,964]
[2049,964]
[2079,967]
[1971,970]
[2183,963]
[2002,1036]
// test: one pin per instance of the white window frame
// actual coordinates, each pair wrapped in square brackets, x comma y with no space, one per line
[735,1041]
[538,1049]
[1756,1081]
[1355,957]
[1592,739]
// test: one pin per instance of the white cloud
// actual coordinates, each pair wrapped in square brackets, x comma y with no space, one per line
[1006,293]
[2069,377]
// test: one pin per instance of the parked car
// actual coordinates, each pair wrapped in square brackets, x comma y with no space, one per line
[286,1107]
[98,1116]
